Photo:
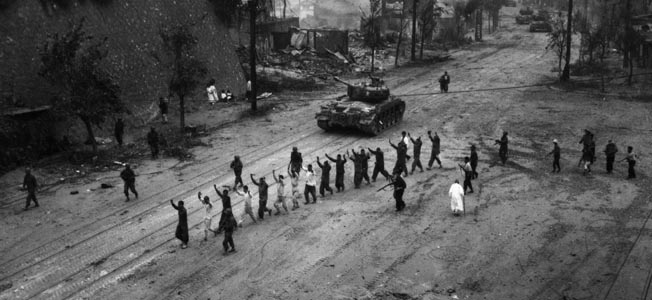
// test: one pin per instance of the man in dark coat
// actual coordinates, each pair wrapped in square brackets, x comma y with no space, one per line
[502,151]
[119,131]
[380,164]
[129,179]
[416,153]
[236,165]
[339,171]
[610,151]
[434,154]
[182,227]
[163,106]
[226,203]
[228,224]
[296,161]
[357,170]
[324,185]
[262,196]
[401,158]
[30,184]
[444,80]
[152,140]
[474,161]
[556,155]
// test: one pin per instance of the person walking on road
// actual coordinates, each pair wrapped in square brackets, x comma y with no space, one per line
[163,107]
[129,178]
[248,207]
[360,167]
[325,184]
[474,161]
[226,203]
[434,154]
[208,216]
[468,174]
[444,80]
[610,151]
[311,183]
[262,196]
[399,188]
[236,165]
[294,180]
[296,161]
[228,224]
[153,141]
[339,171]
[456,192]
[118,131]
[416,153]
[182,226]
[631,161]
[280,193]
[212,92]
[379,167]
[502,151]
[556,155]
[401,158]
[30,184]
[406,140]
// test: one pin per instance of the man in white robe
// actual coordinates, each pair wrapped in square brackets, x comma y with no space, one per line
[456,193]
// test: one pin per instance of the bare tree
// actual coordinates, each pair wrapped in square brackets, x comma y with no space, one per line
[402,28]
[557,41]
[371,29]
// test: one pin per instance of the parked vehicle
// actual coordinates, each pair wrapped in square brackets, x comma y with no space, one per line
[523,19]
[540,26]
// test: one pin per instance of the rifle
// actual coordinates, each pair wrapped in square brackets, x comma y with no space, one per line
[382,188]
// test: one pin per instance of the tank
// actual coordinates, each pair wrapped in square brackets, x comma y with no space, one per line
[367,107]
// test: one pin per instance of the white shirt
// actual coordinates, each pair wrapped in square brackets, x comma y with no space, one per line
[208,209]
[406,140]
[247,198]
[310,179]
[212,93]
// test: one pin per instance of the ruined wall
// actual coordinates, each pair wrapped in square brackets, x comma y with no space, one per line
[132,28]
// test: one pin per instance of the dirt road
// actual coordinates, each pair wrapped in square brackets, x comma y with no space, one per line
[527,233]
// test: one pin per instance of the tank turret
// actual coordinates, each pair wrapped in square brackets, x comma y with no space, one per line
[367,107]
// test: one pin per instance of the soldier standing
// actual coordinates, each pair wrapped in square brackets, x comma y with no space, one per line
[262,196]
[399,188]
[324,185]
[444,80]
[129,179]
[474,161]
[236,165]
[631,161]
[468,174]
[502,151]
[416,162]
[296,161]
[380,164]
[30,184]
[339,171]
[119,131]
[434,154]
[610,151]
[152,140]
[556,155]
[401,158]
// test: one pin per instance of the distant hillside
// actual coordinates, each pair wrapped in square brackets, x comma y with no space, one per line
[132,28]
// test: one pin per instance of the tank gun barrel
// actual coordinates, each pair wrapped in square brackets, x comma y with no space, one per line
[341,81]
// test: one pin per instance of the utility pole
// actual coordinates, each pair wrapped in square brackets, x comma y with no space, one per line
[414,30]
[565,76]
[252,52]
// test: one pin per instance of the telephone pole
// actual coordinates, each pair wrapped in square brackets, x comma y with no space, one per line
[252,52]
[414,30]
